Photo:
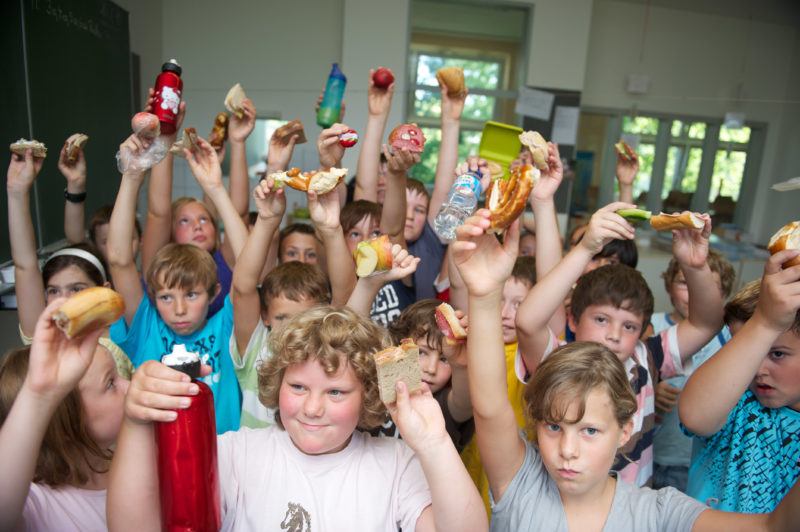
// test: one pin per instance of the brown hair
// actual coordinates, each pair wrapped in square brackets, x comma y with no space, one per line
[415,185]
[418,321]
[102,216]
[716,262]
[184,266]
[524,270]
[742,305]
[60,262]
[333,337]
[355,211]
[571,373]
[615,284]
[295,281]
[179,203]
[66,445]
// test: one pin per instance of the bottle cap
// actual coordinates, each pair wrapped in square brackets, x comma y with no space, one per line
[183,360]
[172,66]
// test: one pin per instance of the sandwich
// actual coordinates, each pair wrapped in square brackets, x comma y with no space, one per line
[188,140]
[536,144]
[23,145]
[295,127]
[75,143]
[399,363]
[320,182]
[450,326]
[624,150]
[407,136]
[234,99]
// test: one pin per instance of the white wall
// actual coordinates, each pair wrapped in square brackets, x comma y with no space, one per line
[698,64]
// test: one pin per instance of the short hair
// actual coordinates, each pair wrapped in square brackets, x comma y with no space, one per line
[613,284]
[66,447]
[295,281]
[60,262]
[102,216]
[624,249]
[184,266]
[524,270]
[743,304]
[415,185]
[179,203]
[297,227]
[355,211]
[716,261]
[571,373]
[418,320]
[334,337]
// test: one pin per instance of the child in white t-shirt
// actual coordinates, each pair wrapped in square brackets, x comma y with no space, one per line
[313,466]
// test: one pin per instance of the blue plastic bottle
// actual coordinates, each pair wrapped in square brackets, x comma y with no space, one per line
[330,108]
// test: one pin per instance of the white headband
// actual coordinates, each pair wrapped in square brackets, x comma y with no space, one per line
[85,255]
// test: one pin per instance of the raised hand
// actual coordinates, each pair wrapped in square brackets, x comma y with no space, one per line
[324,210]
[779,297]
[418,418]
[157,391]
[605,226]
[690,246]
[204,165]
[75,171]
[452,106]
[270,201]
[330,150]
[22,170]
[280,152]
[379,101]
[403,264]
[240,128]
[400,161]
[545,188]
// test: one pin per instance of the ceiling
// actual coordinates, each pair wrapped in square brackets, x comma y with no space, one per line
[783,12]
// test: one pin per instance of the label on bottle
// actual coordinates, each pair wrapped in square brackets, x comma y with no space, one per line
[468,180]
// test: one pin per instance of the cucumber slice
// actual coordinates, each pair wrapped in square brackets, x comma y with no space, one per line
[634,215]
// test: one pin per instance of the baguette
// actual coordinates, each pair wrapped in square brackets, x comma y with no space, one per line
[668,222]
[89,310]
[448,323]
[399,363]
[787,237]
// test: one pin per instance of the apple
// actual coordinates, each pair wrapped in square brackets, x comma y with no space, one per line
[382,78]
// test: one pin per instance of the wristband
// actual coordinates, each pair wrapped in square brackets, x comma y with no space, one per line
[74,198]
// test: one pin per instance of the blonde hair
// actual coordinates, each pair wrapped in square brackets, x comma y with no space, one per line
[63,457]
[184,266]
[571,373]
[180,203]
[336,338]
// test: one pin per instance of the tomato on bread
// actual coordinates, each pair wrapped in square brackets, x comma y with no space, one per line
[450,326]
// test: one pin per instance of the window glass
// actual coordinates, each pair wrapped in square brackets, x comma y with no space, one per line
[727,177]
[641,125]
[425,171]
[741,134]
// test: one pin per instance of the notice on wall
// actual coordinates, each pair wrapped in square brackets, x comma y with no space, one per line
[565,125]
[535,103]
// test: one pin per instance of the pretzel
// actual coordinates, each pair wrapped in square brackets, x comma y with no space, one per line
[507,199]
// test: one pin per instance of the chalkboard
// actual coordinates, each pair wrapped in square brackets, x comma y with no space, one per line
[68,64]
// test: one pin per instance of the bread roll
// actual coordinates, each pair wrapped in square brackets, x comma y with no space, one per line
[448,323]
[453,79]
[787,237]
[668,222]
[89,310]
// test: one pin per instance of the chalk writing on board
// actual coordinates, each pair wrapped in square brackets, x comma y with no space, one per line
[68,17]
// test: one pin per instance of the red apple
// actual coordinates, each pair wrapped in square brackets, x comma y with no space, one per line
[382,78]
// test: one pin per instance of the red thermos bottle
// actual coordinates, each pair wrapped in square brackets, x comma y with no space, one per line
[188,478]
[167,97]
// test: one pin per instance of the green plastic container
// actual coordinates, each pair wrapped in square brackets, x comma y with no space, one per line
[500,143]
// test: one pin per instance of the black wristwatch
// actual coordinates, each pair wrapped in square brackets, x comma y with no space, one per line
[75,198]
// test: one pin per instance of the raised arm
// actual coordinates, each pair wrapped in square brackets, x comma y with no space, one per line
[452,106]
[121,229]
[367,288]
[28,284]
[704,320]
[238,131]
[158,226]
[75,174]
[485,266]
[324,212]
[245,298]
[715,387]
[55,365]
[206,170]
[155,392]
[548,294]
[393,214]
[627,168]
[379,102]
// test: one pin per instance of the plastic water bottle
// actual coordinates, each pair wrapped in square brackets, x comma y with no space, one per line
[331,106]
[460,204]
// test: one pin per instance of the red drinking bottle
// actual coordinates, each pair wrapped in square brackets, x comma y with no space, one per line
[188,479]
[167,96]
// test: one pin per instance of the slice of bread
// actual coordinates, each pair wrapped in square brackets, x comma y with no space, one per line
[399,363]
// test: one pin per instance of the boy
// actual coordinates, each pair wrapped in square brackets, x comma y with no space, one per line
[743,404]
[611,305]
[181,281]
[287,289]
[672,450]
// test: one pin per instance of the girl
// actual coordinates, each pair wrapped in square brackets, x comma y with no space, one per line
[67,271]
[61,408]
[580,406]
[313,466]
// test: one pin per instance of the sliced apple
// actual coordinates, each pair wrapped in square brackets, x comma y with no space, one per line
[366,259]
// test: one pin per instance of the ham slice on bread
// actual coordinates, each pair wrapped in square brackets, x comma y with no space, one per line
[450,326]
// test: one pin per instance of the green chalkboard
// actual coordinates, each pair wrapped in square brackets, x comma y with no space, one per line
[69,71]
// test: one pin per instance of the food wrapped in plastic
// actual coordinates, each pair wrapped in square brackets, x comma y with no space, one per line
[147,127]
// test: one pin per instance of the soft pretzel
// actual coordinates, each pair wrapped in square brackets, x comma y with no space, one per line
[219,131]
[507,199]
[787,237]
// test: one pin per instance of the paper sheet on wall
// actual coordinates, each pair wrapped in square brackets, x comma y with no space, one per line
[565,125]
[535,103]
